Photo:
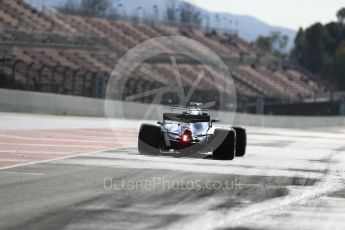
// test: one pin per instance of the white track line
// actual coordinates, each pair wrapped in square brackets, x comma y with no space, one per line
[59,139]
[52,145]
[75,135]
[59,158]
[24,173]
[38,152]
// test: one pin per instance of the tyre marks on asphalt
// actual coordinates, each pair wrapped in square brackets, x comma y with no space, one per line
[310,158]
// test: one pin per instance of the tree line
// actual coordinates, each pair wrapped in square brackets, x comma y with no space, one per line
[183,12]
[321,49]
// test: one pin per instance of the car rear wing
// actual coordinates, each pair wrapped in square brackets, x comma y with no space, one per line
[186,118]
[187,108]
[194,106]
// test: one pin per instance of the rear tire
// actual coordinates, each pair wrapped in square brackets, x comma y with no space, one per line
[241,141]
[225,144]
[149,140]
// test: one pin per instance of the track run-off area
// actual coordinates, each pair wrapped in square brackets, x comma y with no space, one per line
[63,172]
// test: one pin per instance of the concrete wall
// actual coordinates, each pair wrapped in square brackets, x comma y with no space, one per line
[33,102]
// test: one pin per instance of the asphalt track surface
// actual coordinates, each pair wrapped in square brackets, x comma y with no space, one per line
[76,173]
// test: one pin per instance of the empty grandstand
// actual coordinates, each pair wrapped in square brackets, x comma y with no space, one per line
[51,51]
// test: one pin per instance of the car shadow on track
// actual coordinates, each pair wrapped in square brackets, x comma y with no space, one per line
[183,155]
[190,155]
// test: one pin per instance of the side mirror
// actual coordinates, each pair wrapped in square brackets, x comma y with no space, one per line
[159,123]
[212,121]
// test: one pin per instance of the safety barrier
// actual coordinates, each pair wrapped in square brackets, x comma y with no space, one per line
[34,102]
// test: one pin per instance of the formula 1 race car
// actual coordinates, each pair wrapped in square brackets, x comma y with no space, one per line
[191,132]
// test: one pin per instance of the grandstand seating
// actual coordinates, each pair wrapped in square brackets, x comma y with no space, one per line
[63,54]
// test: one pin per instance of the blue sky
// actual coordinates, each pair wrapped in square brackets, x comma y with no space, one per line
[287,13]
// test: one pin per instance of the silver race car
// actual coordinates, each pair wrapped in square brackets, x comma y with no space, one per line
[189,132]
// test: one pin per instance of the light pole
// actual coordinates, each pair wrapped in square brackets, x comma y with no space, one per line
[230,27]
[236,27]
[207,17]
[120,6]
[218,21]
[178,16]
[224,24]
[196,20]
[42,5]
[138,12]
[156,12]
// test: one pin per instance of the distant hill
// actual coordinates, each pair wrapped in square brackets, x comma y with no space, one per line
[249,28]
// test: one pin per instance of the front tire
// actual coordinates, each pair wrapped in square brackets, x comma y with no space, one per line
[225,140]
[149,140]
